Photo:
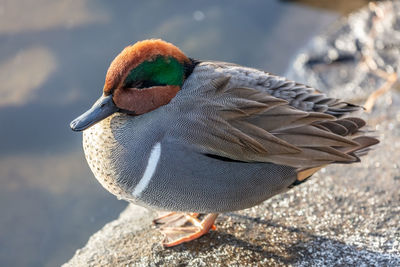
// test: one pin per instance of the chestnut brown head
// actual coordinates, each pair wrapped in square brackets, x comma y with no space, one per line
[141,78]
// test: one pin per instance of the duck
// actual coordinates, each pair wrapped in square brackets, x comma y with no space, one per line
[196,138]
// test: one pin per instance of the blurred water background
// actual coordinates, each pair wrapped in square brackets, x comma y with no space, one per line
[53,59]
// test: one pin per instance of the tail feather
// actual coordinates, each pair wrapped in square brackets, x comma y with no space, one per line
[347,127]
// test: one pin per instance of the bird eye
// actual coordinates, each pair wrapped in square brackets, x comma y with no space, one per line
[143,84]
[134,84]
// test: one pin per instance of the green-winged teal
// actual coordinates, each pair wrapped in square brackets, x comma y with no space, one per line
[191,136]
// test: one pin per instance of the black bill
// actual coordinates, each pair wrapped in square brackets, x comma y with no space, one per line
[103,108]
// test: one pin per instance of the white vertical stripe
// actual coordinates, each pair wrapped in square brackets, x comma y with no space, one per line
[149,171]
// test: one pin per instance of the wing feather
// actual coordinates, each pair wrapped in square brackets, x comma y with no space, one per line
[253,125]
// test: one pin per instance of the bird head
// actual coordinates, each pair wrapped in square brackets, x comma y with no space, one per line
[141,78]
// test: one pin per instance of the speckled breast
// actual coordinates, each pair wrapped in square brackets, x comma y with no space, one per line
[98,145]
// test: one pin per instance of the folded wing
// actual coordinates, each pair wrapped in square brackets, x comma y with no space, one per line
[246,124]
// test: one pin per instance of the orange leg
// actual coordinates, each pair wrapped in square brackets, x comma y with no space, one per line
[175,219]
[176,232]
[192,217]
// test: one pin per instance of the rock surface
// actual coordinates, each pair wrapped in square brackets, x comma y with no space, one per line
[357,55]
[344,215]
